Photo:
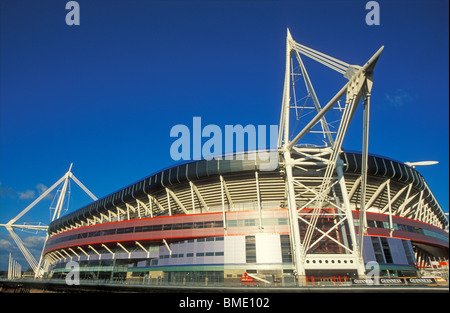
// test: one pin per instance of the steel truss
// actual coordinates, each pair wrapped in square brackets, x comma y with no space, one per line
[326,161]
[39,266]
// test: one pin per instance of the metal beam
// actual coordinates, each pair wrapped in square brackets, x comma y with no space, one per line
[377,193]
[123,248]
[167,246]
[93,249]
[224,185]
[153,199]
[109,250]
[174,197]
[83,187]
[362,71]
[258,197]
[199,195]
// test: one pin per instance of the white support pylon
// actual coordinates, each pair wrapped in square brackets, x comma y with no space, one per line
[11,225]
[358,86]
[59,205]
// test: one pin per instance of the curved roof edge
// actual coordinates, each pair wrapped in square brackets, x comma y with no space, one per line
[249,161]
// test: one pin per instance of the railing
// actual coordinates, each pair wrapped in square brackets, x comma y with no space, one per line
[310,281]
[328,281]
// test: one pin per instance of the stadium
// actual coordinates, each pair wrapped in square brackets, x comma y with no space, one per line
[216,220]
[322,214]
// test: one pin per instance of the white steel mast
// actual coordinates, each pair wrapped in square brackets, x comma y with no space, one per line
[327,159]
[36,266]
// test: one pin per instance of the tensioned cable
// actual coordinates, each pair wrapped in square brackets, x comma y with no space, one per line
[320,57]
[333,66]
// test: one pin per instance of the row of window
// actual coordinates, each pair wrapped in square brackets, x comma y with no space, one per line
[408,228]
[138,229]
[176,226]
[190,255]
[203,239]
[255,222]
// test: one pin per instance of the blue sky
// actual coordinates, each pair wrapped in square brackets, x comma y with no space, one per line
[105,94]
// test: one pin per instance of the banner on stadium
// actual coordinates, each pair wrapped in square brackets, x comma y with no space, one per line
[421,281]
[379,281]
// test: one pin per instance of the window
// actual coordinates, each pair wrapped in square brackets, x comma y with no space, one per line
[286,254]
[218,224]
[379,224]
[198,225]
[409,256]
[107,232]
[386,250]
[145,228]
[125,230]
[250,249]
[177,226]
[377,249]
[175,256]
[232,223]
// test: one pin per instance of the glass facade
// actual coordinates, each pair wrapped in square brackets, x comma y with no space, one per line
[286,252]
[394,256]
[386,250]
[405,227]
[379,255]
[250,249]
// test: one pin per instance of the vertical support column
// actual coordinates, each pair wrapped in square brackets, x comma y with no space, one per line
[192,197]
[150,203]
[258,196]
[349,216]
[60,202]
[419,206]
[138,209]
[168,202]
[222,194]
[391,225]
[297,247]
[9,267]
[365,152]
